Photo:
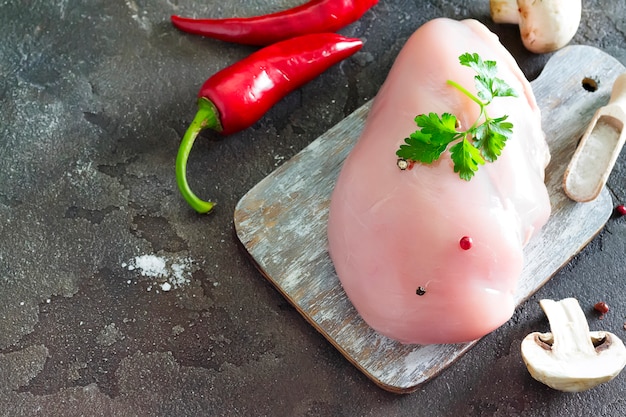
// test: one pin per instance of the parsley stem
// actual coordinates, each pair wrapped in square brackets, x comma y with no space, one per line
[482,105]
[467,93]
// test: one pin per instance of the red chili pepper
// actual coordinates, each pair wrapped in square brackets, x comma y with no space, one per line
[238,96]
[315,16]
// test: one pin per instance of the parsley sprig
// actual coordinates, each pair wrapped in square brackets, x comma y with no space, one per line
[481,142]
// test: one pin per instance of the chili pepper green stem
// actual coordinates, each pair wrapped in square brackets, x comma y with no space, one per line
[206,117]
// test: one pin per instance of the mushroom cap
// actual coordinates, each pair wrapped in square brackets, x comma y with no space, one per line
[548,25]
[504,11]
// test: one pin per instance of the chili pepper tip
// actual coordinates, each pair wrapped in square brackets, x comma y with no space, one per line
[206,117]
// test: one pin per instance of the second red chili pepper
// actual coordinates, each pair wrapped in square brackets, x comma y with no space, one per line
[315,16]
[239,95]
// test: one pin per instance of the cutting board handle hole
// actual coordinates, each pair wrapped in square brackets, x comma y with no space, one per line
[589,84]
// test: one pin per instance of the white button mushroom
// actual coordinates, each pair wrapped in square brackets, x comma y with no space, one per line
[572,358]
[545,26]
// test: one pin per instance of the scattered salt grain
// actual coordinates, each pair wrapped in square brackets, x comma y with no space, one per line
[151,265]
[168,273]
[180,270]
[177,330]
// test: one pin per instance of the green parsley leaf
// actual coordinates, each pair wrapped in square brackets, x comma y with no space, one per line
[482,142]
[419,148]
[491,136]
[466,158]
[441,129]
[484,69]
[488,85]
[500,88]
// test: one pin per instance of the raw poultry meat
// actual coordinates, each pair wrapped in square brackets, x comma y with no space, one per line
[394,236]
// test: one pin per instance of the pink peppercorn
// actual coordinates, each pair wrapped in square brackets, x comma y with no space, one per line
[602,308]
[465,243]
[621,210]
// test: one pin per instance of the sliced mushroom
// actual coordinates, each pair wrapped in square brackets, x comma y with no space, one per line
[545,26]
[571,358]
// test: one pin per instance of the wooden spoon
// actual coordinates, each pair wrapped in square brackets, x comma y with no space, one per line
[599,148]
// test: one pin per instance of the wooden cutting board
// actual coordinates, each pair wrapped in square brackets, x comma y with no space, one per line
[282,223]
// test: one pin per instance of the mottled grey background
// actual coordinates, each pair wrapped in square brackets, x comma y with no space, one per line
[94,98]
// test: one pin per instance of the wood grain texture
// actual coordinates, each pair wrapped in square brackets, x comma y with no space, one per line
[282,223]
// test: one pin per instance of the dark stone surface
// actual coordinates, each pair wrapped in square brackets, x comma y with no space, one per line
[94,98]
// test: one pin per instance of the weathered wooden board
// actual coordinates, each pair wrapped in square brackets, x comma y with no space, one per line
[282,223]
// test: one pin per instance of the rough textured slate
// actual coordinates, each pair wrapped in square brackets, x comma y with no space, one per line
[282,223]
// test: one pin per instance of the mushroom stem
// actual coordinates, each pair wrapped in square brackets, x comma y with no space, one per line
[570,331]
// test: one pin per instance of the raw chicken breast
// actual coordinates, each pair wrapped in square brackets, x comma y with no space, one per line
[392,232]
